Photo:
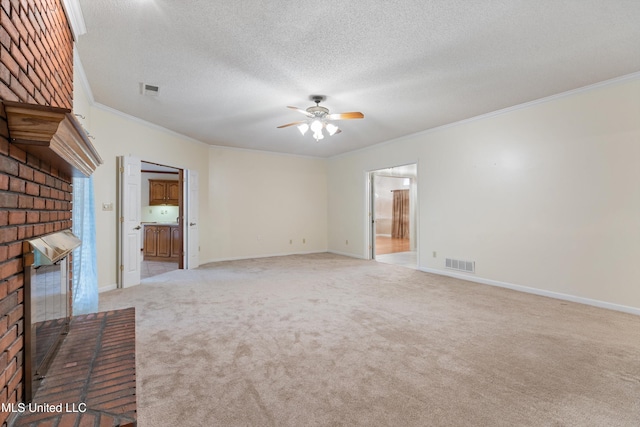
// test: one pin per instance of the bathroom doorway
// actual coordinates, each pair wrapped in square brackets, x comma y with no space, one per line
[393,196]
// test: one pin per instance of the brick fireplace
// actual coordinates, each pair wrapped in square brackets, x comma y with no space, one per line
[36,67]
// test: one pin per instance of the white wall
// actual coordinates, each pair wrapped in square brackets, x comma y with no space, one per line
[265,204]
[116,135]
[251,203]
[546,196]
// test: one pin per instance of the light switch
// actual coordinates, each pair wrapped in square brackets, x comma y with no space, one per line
[107,206]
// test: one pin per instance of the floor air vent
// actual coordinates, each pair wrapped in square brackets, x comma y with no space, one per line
[456,264]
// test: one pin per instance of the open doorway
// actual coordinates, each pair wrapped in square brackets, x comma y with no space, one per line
[183,240]
[161,209]
[394,211]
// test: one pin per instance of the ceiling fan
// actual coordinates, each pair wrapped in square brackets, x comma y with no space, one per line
[318,118]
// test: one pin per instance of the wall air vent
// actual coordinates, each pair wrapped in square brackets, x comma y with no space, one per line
[149,90]
[456,264]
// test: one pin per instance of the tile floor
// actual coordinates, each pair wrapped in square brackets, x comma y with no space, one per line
[405,259]
[153,268]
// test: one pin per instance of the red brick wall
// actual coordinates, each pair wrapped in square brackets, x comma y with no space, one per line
[36,66]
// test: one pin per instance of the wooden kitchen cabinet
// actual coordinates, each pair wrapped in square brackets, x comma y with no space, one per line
[162,242]
[150,247]
[163,192]
[176,242]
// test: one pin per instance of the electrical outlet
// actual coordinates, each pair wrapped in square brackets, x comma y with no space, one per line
[290,241]
[304,240]
[435,254]
[346,242]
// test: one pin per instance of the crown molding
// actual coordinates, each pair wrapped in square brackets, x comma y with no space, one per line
[145,123]
[550,98]
[75,17]
[81,76]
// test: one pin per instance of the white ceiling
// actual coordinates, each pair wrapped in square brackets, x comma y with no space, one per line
[227,69]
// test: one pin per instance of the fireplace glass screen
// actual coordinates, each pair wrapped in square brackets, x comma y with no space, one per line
[49,302]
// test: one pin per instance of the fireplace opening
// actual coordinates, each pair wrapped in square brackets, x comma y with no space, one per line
[48,302]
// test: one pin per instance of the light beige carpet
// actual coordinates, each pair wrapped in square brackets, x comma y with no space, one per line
[325,340]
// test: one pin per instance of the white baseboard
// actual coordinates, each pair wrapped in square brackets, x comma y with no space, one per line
[535,291]
[349,255]
[107,288]
[240,258]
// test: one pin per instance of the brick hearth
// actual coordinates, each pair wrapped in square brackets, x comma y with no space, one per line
[95,365]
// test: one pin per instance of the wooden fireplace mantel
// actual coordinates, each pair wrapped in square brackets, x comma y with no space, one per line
[52,134]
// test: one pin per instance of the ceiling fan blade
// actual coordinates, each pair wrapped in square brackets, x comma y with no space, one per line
[345,116]
[292,124]
[300,110]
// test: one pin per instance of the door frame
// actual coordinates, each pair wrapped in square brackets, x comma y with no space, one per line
[181,213]
[370,225]
[371,217]
[181,203]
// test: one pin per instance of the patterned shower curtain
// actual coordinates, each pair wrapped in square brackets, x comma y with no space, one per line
[400,222]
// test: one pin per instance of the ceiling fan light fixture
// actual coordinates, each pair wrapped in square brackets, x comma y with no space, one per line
[331,128]
[303,128]
[318,118]
[316,126]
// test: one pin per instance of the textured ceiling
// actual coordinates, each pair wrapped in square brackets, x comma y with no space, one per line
[227,69]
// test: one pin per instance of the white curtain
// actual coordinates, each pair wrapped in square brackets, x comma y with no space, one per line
[85,272]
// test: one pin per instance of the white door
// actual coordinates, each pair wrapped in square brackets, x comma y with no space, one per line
[372,216]
[191,225]
[129,214]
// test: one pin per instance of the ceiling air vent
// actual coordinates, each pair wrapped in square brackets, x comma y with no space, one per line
[148,90]
[456,264]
